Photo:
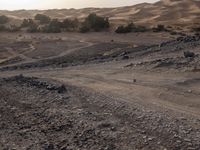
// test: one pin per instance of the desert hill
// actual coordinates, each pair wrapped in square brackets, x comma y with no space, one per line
[173,12]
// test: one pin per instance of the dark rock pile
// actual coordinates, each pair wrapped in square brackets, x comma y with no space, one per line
[35,82]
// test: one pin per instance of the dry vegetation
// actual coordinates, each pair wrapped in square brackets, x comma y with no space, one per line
[179,13]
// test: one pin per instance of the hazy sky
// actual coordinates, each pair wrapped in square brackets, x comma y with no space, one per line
[50,4]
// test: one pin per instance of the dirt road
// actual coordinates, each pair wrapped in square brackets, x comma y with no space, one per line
[106,105]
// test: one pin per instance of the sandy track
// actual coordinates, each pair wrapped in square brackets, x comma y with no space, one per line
[160,91]
[31,49]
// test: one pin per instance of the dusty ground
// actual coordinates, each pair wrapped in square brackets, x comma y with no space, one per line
[123,92]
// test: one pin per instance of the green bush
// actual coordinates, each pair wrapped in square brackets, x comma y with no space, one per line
[27,23]
[123,29]
[53,27]
[4,19]
[95,23]
[69,25]
[84,29]
[130,28]
[33,28]
[56,26]
[140,29]
[42,18]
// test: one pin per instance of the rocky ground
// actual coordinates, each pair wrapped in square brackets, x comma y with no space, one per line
[149,56]
[100,95]
[39,114]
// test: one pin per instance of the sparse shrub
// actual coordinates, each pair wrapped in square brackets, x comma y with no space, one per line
[196,29]
[125,29]
[95,23]
[69,25]
[173,33]
[131,28]
[84,29]
[159,28]
[53,27]
[122,29]
[3,19]
[42,18]
[2,28]
[169,27]
[33,28]
[27,23]
[140,29]
[13,28]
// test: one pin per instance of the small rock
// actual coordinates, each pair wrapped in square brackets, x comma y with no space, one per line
[178,141]
[150,139]
[51,87]
[191,148]
[61,89]
[182,118]
[144,137]
[125,57]
[49,147]
[187,140]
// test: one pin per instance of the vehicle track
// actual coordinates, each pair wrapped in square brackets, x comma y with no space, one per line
[32,48]
[79,118]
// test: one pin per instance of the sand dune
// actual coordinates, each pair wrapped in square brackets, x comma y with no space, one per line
[169,12]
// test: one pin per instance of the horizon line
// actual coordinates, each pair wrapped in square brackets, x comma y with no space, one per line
[76,8]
